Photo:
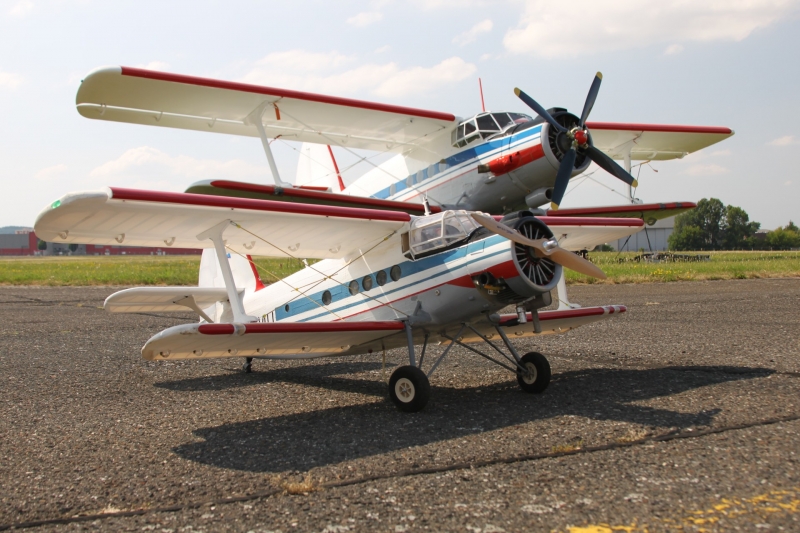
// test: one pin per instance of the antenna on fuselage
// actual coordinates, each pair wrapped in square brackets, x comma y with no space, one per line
[480,88]
[426,205]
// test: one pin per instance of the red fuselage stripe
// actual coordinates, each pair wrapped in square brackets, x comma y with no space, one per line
[207,200]
[665,128]
[284,93]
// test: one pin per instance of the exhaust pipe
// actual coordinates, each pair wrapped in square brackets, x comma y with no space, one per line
[539,197]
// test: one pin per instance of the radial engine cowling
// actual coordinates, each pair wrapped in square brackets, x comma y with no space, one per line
[537,274]
[557,143]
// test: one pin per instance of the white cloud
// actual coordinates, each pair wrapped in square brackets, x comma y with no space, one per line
[720,153]
[365,18]
[485,57]
[786,140]
[154,65]
[300,60]
[569,29]
[673,49]
[706,170]
[9,80]
[308,71]
[50,173]
[452,4]
[382,49]
[154,163]
[485,26]
[21,8]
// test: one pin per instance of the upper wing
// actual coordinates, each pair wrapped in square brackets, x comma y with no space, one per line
[125,94]
[302,195]
[653,141]
[148,218]
[586,233]
[650,213]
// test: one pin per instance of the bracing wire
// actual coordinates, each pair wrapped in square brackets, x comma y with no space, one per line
[329,276]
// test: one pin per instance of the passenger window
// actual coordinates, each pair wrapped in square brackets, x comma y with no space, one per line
[380,277]
[353,287]
[395,273]
[326,298]
[367,283]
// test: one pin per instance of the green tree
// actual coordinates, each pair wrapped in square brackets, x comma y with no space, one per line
[73,247]
[792,227]
[738,230]
[689,238]
[708,217]
[783,239]
[41,245]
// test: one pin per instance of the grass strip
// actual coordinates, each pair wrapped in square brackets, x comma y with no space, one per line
[183,270]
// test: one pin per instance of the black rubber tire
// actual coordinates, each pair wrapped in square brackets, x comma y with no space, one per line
[541,379]
[409,389]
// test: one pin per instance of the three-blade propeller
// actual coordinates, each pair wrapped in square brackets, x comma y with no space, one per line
[542,247]
[579,143]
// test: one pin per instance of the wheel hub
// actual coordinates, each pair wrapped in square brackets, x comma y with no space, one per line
[404,390]
[530,376]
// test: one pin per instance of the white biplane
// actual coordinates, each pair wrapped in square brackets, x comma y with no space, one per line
[393,273]
[497,162]
[387,279]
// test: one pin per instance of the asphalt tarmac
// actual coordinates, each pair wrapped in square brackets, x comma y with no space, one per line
[683,414]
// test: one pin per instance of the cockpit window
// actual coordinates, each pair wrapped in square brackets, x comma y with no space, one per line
[439,231]
[485,125]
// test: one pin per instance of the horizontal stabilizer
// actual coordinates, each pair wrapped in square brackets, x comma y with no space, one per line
[278,340]
[132,217]
[164,299]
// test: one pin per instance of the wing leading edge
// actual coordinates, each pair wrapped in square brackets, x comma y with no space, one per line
[131,217]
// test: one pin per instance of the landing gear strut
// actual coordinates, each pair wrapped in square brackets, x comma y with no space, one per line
[247,367]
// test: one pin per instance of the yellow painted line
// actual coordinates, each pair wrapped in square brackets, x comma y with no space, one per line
[764,506]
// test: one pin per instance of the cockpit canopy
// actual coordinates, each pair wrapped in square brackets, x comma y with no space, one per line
[437,231]
[485,125]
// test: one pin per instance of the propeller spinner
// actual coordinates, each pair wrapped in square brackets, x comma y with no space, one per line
[579,142]
[542,247]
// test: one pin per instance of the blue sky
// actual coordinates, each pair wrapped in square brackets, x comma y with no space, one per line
[732,63]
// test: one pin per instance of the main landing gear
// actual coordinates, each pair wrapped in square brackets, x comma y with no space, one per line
[410,389]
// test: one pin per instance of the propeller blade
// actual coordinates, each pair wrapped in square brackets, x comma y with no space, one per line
[562,178]
[575,262]
[590,98]
[543,247]
[542,112]
[610,166]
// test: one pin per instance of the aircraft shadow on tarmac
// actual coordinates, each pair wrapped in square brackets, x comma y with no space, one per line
[306,440]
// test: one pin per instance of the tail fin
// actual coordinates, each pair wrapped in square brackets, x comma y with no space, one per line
[317,168]
[245,275]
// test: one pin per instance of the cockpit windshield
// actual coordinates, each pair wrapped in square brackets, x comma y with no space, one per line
[485,125]
[439,231]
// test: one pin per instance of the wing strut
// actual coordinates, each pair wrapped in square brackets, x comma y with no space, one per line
[268,151]
[215,235]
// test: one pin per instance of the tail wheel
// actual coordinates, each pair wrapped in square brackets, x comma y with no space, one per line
[537,375]
[539,270]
